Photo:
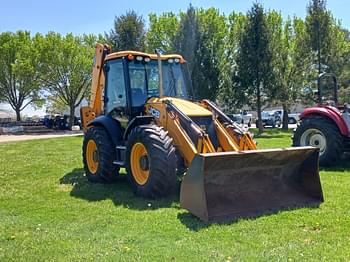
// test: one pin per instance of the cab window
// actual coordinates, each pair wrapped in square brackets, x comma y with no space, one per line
[115,86]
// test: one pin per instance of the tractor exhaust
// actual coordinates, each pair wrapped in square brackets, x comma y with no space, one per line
[221,187]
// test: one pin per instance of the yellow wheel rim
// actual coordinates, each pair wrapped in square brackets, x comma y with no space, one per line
[139,163]
[92,156]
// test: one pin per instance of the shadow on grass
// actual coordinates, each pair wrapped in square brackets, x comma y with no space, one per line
[121,195]
[119,192]
[195,224]
[271,133]
[343,166]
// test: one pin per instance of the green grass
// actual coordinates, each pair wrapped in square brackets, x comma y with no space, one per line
[48,211]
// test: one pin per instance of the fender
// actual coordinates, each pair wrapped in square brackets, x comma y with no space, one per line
[111,125]
[137,121]
[328,112]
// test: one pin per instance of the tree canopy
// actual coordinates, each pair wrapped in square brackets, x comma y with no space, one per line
[66,65]
[19,79]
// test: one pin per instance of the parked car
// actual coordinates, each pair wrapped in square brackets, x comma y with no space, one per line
[237,118]
[270,118]
[247,118]
[293,118]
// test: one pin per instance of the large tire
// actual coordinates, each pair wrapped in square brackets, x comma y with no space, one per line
[151,155]
[331,149]
[98,156]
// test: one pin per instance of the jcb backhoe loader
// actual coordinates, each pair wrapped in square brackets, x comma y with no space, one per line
[141,117]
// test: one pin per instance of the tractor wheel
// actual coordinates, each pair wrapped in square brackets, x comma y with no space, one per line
[98,156]
[321,133]
[151,161]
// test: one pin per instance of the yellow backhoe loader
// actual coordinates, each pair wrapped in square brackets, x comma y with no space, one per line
[142,117]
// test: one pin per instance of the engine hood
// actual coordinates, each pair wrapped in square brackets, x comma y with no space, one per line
[187,107]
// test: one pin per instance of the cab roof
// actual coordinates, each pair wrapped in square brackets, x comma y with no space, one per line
[136,53]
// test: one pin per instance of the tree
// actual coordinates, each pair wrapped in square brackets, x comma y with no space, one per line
[66,65]
[227,95]
[162,32]
[91,40]
[254,75]
[128,32]
[187,39]
[327,41]
[212,31]
[344,96]
[318,26]
[19,83]
[290,59]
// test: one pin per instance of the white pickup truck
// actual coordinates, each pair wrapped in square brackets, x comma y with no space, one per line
[293,118]
[243,118]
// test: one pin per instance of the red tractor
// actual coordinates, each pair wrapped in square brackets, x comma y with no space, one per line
[326,125]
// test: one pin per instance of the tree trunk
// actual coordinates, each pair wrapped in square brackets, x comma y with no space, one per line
[71,116]
[18,114]
[285,118]
[260,126]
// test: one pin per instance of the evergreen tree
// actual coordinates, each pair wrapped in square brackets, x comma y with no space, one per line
[128,32]
[318,26]
[254,79]
[188,38]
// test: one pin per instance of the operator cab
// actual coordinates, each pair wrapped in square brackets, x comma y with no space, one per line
[131,78]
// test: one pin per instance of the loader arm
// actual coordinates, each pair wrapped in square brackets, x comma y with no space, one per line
[88,113]
[191,139]
[241,137]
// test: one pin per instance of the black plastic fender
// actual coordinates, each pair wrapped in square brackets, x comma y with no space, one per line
[112,127]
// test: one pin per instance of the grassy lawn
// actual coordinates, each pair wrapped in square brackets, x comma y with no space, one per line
[48,211]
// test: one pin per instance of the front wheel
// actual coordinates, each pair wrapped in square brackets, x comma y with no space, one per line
[323,134]
[151,161]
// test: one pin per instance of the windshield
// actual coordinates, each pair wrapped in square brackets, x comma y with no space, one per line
[327,90]
[265,114]
[144,80]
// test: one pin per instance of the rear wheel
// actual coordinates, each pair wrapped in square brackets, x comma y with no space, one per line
[98,156]
[321,133]
[151,161]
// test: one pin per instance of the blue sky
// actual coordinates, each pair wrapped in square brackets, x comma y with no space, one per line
[89,16]
[78,16]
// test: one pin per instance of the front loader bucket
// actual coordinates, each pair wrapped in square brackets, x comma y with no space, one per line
[226,186]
